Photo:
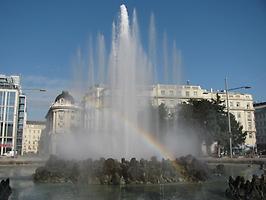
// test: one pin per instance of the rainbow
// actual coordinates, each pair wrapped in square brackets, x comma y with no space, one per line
[146,136]
[149,139]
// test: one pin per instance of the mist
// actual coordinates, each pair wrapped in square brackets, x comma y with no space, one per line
[116,118]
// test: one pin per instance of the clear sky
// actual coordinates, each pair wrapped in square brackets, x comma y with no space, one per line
[38,40]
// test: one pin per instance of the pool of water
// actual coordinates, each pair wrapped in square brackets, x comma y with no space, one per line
[25,189]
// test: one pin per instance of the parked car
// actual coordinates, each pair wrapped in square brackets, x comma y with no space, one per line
[11,154]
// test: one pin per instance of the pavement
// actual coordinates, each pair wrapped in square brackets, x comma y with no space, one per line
[21,160]
[240,160]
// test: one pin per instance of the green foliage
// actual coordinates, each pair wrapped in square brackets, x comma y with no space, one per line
[206,119]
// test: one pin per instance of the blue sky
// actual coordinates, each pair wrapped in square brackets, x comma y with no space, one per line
[38,40]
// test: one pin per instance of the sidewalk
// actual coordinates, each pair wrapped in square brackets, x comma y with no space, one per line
[240,160]
[21,160]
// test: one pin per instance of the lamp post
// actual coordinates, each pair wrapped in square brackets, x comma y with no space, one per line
[35,89]
[228,112]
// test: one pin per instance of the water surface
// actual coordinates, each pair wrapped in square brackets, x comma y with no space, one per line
[25,189]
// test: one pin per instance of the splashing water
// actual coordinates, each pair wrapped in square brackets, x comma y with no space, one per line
[117,119]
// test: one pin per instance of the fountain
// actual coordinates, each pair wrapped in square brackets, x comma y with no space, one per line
[117,121]
[118,109]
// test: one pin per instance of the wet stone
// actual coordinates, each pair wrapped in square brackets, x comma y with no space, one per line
[113,172]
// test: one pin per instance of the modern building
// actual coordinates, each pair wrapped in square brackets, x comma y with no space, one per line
[260,119]
[240,104]
[31,137]
[63,117]
[12,115]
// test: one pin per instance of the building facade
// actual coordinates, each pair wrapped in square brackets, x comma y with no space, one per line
[63,117]
[31,137]
[12,115]
[240,105]
[260,118]
[91,102]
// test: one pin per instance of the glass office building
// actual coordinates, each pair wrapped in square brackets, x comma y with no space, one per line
[12,115]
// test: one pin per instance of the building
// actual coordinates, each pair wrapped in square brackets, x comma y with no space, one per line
[92,101]
[63,117]
[260,119]
[31,137]
[12,115]
[241,105]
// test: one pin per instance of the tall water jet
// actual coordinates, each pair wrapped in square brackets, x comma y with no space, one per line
[101,77]
[152,48]
[119,119]
[127,78]
[165,59]
[91,75]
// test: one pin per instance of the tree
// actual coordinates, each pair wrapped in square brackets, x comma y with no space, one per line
[210,123]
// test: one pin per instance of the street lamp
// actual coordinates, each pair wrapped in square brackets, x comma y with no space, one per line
[36,89]
[228,112]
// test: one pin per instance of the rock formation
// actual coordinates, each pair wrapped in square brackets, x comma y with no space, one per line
[241,189]
[112,172]
[5,189]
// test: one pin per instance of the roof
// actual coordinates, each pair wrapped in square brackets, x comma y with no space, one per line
[259,104]
[65,95]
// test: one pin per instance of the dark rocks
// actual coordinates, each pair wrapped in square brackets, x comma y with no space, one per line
[5,189]
[239,189]
[113,172]
[219,170]
[192,170]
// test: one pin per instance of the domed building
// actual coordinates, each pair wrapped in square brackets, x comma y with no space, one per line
[63,117]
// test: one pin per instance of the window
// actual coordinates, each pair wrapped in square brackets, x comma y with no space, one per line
[249,116]
[250,135]
[249,126]
[248,105]
[21,114]
[231,104]
[60,115]
[21,100]
[12,97]
[1,98]
[20,121]
[21,107]
[195,93]
[171,92]
[9,130]
[162,92]
[187,93]
[10,114]
[237,104]
[239,115]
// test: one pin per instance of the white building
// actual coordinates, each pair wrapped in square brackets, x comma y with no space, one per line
[260,118]
[93,100]
[31,137]
[12,115]
[62,118]
[241,105]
